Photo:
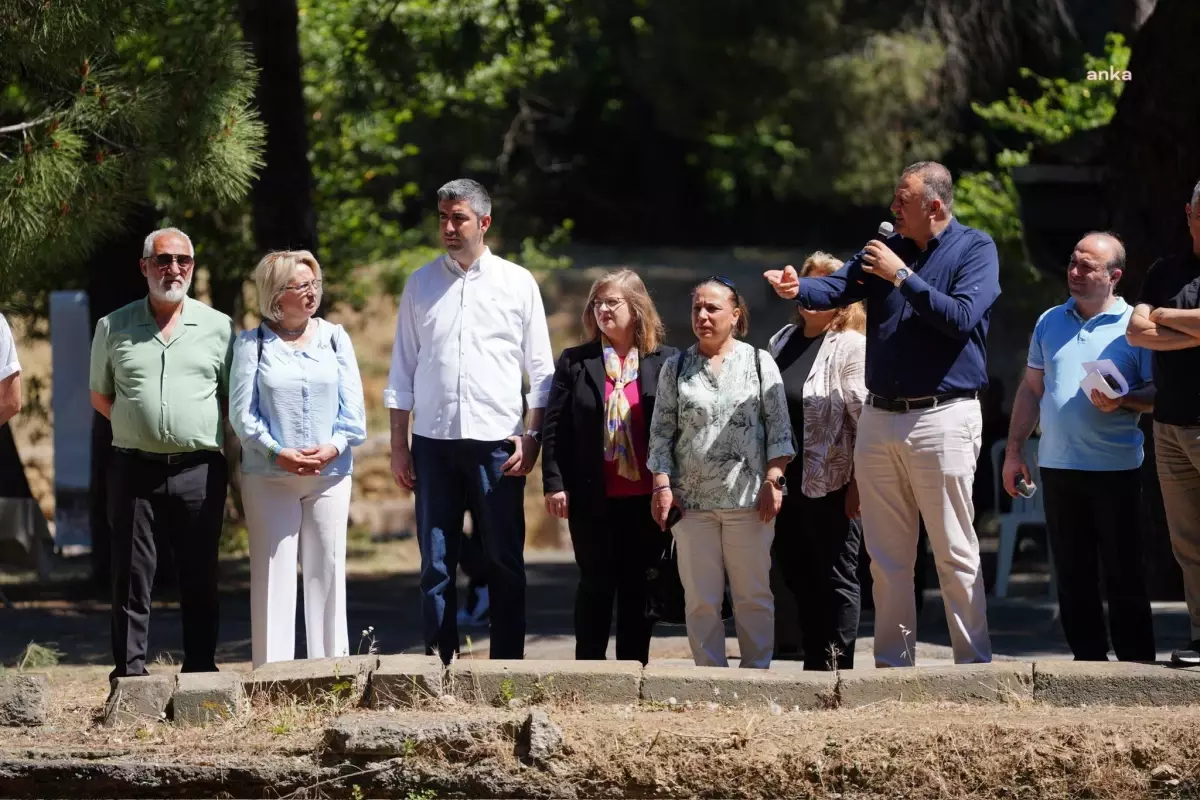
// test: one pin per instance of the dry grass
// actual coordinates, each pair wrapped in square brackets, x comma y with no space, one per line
[888,750]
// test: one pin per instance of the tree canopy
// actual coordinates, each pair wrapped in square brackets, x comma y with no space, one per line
[105,105]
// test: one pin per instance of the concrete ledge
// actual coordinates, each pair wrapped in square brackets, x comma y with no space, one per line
[23,699]
[203,697]
[998,682]
[404,681]
[133,701]
[498,682]
[739,687]
[1074,683]
[312,679]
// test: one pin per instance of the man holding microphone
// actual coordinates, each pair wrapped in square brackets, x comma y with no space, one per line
[930,288]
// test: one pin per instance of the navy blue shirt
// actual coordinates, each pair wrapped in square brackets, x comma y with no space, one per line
[929,336]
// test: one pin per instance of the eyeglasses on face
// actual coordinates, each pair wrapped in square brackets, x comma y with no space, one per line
[608,303]
[301,288]
[164,260]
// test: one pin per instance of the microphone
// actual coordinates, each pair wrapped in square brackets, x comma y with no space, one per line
[885,230]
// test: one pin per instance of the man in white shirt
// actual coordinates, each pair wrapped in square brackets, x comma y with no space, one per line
[10,374]
[469,324]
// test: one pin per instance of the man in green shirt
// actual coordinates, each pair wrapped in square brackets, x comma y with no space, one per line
[160,373]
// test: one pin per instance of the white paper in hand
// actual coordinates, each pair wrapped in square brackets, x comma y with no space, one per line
[1095,373]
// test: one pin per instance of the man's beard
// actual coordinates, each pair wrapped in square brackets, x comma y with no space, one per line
[174,295]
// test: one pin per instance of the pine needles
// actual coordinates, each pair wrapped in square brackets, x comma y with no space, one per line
[108,104]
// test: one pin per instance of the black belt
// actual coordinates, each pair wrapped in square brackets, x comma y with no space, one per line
[901,404]
[193,457]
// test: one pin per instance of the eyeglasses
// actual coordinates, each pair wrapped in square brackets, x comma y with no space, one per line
[610,304]
[301,288]
[164,260]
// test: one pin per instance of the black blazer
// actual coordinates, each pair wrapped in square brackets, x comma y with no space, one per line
[573,429]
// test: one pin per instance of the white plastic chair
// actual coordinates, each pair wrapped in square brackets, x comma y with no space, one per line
[1025,511]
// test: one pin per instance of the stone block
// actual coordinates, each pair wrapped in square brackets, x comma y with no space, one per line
[203,697]
[787,688]
[404,681]
[998,682]
[23,699]
[313,679]
[386,734]
[1076,683]
[498,682]
[134,701]
[539,739]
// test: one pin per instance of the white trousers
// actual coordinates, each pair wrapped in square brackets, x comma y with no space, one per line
[297,518]
[921,464]
[709,545]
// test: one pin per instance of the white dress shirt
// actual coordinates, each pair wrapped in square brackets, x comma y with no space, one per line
[463,340]
[9,365]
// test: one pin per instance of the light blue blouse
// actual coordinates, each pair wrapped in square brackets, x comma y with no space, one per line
[296,397]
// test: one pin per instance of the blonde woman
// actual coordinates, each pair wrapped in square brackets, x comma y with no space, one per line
[594,471]
[822,357]
[296,403]
[719,444]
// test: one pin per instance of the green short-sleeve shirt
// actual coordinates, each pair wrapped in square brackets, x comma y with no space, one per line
[167,394]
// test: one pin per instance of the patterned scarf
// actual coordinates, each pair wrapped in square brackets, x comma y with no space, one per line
[618,441]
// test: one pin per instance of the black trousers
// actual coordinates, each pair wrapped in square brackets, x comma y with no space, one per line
[614,546]
[182,507]
[1092,519]
[817,549]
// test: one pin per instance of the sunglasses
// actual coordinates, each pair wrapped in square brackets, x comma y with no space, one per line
[726,282]
[164,260]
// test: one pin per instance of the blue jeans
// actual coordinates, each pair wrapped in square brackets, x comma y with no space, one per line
[455,476]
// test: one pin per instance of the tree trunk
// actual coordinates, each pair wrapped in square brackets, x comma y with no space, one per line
[283,212]
[1151,154]
[114,281]
[1153,164]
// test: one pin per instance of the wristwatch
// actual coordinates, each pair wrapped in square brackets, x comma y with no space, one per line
[901,276]
[780,483]
[535,435]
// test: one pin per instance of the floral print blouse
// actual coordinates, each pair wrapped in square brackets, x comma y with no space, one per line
[709,434]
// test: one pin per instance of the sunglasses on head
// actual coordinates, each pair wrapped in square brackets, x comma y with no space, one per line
[163,260]
[726,282]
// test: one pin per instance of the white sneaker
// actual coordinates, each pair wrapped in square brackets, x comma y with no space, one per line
[1187,656]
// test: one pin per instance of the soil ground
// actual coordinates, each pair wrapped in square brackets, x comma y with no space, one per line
[889,750]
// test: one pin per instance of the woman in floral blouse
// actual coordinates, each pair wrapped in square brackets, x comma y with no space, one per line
[822,357]
[719,443]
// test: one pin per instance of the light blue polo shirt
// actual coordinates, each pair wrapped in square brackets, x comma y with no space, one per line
[1076,434]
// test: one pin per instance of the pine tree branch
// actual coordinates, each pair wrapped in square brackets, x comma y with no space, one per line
[26,125]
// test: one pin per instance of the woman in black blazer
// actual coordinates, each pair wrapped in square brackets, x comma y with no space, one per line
[594,472]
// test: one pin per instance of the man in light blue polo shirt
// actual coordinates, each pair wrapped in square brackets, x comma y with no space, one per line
[1090,454]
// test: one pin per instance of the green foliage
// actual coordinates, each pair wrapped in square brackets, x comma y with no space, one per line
[507,692]
[104,105]
[539,96]
[988,199]
[1064,107]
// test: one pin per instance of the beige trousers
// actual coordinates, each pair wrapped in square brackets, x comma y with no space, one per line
[908,466]
[711,544]
[1177,453]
